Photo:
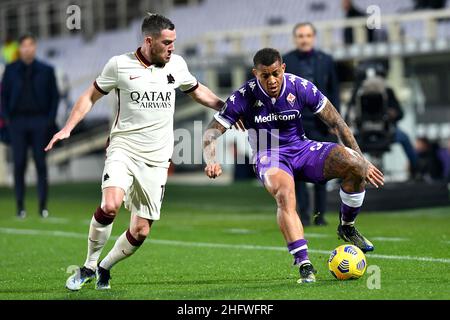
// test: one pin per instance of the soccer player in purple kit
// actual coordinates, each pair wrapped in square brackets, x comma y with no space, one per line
[270,106]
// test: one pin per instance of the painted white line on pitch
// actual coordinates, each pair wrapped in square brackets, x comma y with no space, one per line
[322,235]
[317,235]
[55,220]
[394,239]
[273,248]
[214,245]
[239,231]
[36,232]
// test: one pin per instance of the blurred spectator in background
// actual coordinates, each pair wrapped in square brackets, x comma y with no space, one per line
[429,4]
[351,11]
[429,166]
[448,161]
[444,155]
[318,67]
[29,103]
[4,136]
[10,50]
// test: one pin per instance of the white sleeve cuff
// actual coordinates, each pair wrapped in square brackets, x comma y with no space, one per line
[191,89]
[324,103]
[222,121]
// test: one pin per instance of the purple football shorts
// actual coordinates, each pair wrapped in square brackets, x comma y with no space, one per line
[304,160]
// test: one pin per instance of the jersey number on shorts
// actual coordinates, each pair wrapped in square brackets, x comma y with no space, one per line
[163,188]
[316,147]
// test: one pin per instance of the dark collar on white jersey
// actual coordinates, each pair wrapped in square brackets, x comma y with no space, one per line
[143,60]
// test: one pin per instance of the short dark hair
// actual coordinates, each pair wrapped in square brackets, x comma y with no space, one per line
[267,57]
[154,23]
[303,24]
[27,36]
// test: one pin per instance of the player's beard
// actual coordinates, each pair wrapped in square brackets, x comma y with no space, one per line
[157,58]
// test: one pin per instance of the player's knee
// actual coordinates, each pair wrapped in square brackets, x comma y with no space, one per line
[110,208]
[140,231]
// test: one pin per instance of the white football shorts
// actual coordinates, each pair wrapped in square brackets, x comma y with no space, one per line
[143,184]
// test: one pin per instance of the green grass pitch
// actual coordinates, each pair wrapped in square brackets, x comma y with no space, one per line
[217,242]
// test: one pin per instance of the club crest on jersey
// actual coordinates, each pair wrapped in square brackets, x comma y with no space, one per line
[170,79]
[291,99]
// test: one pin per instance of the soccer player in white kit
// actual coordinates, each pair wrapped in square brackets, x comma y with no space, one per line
[140,144]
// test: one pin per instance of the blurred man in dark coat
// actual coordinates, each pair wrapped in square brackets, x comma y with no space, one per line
[318,67]
[29,101]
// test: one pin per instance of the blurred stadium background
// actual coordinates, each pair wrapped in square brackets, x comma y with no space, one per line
[218,39]
[218,45]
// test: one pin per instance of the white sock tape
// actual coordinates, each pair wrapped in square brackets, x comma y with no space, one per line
[353,200]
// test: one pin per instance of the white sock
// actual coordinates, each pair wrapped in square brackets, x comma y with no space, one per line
[124,247]
[98,236]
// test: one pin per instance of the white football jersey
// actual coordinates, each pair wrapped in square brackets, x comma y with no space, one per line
[143,127]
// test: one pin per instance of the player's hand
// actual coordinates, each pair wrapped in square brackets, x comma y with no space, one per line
[213,170]
[374,176]
[239,125]
[61,135]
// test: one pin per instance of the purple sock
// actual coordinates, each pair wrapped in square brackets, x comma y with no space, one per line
[299,249]
[348,214]
[350,206]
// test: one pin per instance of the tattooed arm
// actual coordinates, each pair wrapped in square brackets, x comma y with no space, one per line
[334,121]
[214,131]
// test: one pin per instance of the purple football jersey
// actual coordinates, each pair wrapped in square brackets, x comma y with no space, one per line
[275,128]
[273,120]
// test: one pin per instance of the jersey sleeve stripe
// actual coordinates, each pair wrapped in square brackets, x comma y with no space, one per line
[324,103]
[222,120]
[99,89]
[192,89]
[118,107]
